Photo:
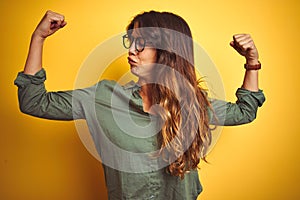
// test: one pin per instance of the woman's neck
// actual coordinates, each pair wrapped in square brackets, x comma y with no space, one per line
[145,94]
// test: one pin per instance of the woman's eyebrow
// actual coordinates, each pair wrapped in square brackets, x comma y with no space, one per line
[135,35]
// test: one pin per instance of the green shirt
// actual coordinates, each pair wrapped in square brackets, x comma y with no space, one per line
[125,135]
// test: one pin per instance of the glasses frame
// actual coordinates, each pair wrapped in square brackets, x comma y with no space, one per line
[137,42]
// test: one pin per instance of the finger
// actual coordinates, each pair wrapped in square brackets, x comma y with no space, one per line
[63,24]
[236,47]
[55,17]
[241,35]
[55,14]
[57,20]
[55,24]
[241,40]
[232,43]
[244,41]
[248,46]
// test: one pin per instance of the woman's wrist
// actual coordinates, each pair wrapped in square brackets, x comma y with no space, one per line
[36,38]
[252,66]
[252,61]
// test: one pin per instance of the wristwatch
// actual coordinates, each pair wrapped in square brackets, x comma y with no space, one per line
[252,67]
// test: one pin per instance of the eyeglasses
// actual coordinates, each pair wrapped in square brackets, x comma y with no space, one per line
[140,42]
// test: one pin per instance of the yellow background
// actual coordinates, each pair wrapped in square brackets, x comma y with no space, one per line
[41,159]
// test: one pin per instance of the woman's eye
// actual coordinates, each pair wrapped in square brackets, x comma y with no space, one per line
[140,41]
[130,39]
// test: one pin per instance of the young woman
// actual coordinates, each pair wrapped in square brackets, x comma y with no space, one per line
[151,134]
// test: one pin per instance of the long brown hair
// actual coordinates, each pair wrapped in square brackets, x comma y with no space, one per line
[185,133]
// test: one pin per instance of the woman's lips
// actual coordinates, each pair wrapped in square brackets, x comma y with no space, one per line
[131,61]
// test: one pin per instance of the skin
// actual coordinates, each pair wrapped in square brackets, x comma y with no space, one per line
[140,62]
[141,65]
[50,23]
[245,46]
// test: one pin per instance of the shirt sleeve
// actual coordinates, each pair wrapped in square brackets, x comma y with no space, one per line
[243,111]
[36,101]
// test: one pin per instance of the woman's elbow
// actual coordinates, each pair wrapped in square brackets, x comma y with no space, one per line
[248,117]
[251,117]
[26,109]
[28,106]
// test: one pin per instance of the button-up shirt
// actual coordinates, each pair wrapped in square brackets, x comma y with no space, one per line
[124,135]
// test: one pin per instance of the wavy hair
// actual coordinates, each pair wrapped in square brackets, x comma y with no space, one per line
[185,134]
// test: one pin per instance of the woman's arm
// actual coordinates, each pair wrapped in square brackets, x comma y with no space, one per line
[249,97]
[33,98]
[50,23]
[243,111]
[245,46]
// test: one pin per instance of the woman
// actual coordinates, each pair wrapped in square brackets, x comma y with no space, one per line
[150,135]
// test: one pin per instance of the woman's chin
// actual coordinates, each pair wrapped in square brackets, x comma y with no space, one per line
[134,70]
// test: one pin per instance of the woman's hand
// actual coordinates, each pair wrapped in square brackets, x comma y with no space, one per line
[245,46]
[50,23]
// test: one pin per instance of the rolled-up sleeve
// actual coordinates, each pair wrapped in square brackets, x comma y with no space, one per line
[243,111]
[36,101]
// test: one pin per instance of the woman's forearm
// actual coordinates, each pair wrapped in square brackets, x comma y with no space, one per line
[245,46]
[251,78]
[50,23]
[34,59]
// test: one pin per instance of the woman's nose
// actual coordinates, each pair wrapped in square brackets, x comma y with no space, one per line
[132,50]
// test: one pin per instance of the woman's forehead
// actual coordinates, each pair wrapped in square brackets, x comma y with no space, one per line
[135,32]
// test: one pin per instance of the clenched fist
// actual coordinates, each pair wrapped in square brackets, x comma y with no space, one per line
[245,46]
[50,23]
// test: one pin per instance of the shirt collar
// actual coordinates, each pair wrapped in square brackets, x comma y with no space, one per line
[134,88]
[132,85]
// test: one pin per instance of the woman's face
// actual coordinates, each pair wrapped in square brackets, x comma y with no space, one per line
[141,63]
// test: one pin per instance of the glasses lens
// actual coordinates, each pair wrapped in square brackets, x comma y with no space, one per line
[140,44]
[126,41]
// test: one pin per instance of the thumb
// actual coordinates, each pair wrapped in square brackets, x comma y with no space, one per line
[237,48]
[63,24]
[232,44]
[56,25]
